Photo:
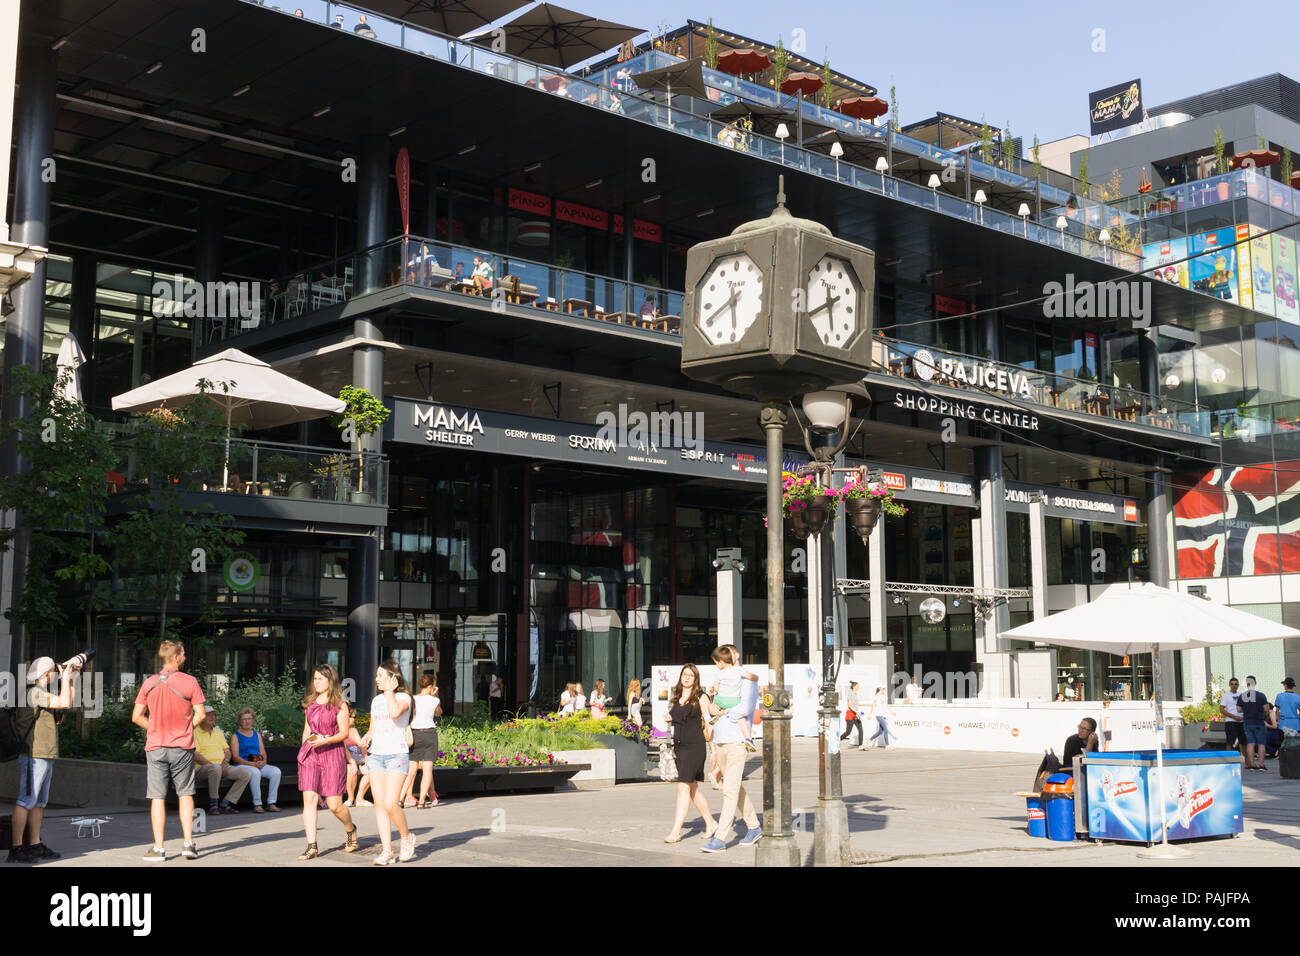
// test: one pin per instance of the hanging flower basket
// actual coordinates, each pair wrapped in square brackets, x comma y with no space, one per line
[806,506]
[864,504]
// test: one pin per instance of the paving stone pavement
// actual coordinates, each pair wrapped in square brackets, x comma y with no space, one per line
[906,808]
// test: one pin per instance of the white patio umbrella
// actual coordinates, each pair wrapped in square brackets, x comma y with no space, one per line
[255,395]
[71,358]
[1145,619]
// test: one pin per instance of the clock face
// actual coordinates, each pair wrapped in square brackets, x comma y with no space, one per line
[730,299]
[832,301]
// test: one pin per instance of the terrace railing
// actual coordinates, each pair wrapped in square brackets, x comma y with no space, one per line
[1033,387]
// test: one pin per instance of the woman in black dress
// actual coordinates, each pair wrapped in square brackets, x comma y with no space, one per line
[690,750]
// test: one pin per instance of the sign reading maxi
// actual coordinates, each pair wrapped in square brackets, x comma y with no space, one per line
[454,426]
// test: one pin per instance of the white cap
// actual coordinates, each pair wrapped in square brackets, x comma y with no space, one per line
[39,668]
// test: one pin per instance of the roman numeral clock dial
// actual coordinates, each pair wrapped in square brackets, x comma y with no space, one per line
[730,299]
[833,304]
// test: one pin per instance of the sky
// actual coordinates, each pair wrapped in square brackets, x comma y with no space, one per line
[1033,64]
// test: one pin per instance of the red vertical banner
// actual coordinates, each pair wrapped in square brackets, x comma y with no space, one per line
[404,188]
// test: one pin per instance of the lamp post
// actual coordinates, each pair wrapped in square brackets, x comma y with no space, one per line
[796,324]
[837,151]
[882,167]
[1061,224]
[934,188]
[1023,213]
[827,413]
[1104,236]
[782,133]
[980,200]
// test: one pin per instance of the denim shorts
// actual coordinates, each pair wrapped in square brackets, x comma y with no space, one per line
[388,763]
[34,775]
[1256,734]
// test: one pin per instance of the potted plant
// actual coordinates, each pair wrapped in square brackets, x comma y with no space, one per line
[367,415]
[863,505]
[288,473]
[805,504]
[1220,162]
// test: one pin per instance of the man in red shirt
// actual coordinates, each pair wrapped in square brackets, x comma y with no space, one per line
[169,707]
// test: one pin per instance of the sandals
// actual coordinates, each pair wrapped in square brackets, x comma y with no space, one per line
[351,845]
[678,839]
[310,853]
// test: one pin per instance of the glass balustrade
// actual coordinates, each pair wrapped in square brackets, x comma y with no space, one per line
[611,89]
[510,282]
[271,469]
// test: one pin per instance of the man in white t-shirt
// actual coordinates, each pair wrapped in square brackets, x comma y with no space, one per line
[1230,709]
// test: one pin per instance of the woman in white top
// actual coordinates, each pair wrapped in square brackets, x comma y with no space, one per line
[566,700]
[388,759]
[579,698]
[424,746]
[598,700]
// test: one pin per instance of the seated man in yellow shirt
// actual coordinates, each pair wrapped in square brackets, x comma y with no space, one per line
[212,763]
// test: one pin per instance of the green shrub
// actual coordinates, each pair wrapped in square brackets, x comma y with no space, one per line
[112,735]
[277,706]
[1207,708]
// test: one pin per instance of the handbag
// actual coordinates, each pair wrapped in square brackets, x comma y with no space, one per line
[850,715]
[667,760]
[706,726]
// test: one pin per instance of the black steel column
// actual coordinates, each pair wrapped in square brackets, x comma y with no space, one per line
[81,317]
[208,251]
[25,326]
[363,616]
[372,211]
[368,373]
[1149,362]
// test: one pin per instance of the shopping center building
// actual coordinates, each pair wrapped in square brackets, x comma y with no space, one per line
[1120,430]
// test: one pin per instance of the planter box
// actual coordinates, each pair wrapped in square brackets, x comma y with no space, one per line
[629,757]
[473,780]
[600,764]
[83,783]
[1213,737]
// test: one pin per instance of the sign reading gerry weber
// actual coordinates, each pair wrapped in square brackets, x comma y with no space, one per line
[1115,107]
[667,442]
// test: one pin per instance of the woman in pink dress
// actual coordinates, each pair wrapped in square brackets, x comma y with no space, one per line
[322,760]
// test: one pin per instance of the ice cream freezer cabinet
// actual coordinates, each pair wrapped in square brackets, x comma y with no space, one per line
[1202,795]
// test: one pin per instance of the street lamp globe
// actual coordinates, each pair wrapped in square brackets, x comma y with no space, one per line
[825,411]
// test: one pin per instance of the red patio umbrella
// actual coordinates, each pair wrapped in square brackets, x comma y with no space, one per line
[1256,158]
[863,107]
[802,84]
[738,62]
[1295,179]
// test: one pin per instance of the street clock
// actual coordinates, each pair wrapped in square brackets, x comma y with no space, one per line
[778,308]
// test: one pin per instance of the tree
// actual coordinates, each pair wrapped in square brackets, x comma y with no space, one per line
[155,544]
[62,497]
[1286,164]
[893,107]
[780,64]
[1084,183]
[1006,144]
[367,415]
[1036,153]
[711,47]
[986,141]
[1220,147]
[827,93]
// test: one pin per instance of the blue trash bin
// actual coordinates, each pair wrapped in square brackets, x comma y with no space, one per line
[1058,795]
[1036,814]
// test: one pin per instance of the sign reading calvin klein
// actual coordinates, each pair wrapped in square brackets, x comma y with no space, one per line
[972,411]
[1073,503]
[1115,107]
[615,444]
